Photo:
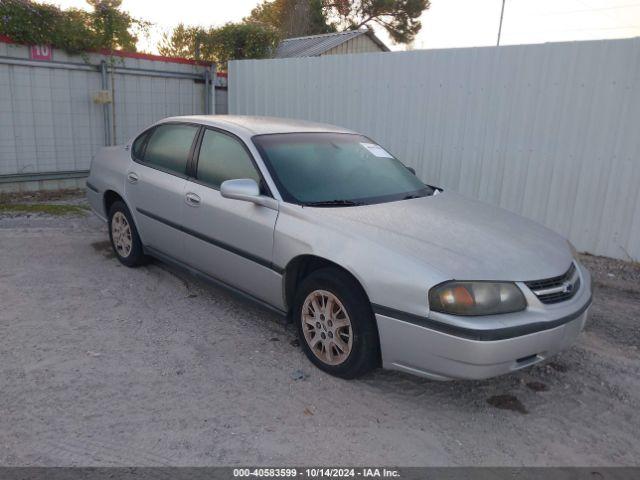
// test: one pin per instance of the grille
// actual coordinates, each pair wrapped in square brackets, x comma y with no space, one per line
[556,289]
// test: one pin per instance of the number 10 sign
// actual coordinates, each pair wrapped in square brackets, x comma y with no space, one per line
[40,52]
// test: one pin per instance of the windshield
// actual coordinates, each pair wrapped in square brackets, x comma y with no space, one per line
[336,169]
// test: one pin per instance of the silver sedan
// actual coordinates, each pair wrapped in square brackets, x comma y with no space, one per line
[325,226]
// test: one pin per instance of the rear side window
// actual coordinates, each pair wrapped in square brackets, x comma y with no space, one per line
[169,147]
[222,157]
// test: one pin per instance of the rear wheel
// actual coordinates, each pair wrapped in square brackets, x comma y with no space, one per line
[124,236]
[335,324]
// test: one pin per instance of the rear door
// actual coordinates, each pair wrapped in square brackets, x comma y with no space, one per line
[156,183]
[231,240]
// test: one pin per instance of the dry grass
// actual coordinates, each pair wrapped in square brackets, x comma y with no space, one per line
[41,196]
[43,209]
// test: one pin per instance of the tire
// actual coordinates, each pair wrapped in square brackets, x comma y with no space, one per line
[124,237]
[343,351]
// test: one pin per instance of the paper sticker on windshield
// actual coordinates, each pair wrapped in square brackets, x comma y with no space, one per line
[376,150]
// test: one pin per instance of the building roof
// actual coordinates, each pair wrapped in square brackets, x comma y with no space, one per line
[315,45]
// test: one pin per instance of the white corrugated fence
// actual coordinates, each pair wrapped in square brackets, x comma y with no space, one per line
[50,126]
[550,131]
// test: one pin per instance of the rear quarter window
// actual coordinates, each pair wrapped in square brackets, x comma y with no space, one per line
[137,149]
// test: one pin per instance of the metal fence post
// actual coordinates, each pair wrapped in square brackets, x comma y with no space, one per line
[207,102]
[210,90]
[105,107]
[213,76]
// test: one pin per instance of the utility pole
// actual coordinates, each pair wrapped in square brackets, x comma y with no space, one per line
[501,17]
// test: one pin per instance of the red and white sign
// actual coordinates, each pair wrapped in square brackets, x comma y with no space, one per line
[41,52]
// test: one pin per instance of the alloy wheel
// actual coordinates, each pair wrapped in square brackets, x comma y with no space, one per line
[121,234]
[327,327]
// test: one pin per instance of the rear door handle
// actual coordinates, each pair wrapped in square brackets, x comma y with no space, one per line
[132,177]
[192,199]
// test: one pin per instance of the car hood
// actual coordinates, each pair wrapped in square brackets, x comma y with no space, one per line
[462,238]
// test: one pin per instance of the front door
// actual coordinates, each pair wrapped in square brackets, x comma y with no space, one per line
[231,240]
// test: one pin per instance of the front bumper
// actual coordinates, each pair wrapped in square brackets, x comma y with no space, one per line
[426,348]
[428,353]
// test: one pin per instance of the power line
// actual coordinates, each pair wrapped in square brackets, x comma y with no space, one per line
[597,9]
[500,26]
[625,27]
[581,29]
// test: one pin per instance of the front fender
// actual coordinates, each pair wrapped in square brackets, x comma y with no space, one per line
[389,278]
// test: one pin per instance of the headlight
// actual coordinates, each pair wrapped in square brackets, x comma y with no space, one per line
[476,298]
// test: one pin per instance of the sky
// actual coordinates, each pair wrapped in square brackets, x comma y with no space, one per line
[447,24]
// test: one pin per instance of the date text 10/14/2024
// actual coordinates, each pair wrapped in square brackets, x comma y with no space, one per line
[318,472]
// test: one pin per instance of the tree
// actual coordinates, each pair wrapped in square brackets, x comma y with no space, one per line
[183,41]
[112,26]
[292,18]
[233,41]
[400,18]
[72,30]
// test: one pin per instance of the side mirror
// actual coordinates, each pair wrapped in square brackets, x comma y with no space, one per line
[246,190]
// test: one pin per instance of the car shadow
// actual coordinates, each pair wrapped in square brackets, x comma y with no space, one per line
[510,392]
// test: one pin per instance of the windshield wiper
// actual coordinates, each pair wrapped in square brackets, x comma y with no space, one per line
[333,203]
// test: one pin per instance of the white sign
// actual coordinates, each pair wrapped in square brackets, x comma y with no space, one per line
[376,150]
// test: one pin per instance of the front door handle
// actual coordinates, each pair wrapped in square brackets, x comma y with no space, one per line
[192,199]
[132,177]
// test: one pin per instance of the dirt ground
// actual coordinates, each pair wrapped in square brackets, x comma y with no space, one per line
[101,365]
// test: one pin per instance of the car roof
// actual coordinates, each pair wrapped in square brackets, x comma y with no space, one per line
[254,125]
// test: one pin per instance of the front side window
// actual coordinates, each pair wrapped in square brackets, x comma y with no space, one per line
[222,157]
[169,147]
[334,169]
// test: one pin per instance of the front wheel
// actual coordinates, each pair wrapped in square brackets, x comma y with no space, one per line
[335,324]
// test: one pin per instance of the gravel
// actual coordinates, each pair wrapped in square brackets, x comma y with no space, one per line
[102,365]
